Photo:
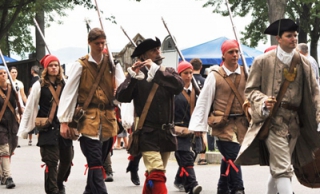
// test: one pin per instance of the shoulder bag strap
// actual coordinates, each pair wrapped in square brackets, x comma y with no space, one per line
[6,100]
[191,99]
[95,84]
[55,93]
[222,73]
[9,104]
[289,77]
[147,105]
[55,102]
[102,84]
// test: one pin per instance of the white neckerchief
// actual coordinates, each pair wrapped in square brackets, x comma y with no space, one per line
[189,88]
[284,56]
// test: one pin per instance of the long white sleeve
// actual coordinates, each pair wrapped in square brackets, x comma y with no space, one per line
[200,114]
[68,99]
[31,111]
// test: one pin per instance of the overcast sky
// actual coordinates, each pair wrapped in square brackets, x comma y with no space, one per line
[188,21]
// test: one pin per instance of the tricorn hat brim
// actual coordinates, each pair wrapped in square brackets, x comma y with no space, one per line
[145,45]
[280,26]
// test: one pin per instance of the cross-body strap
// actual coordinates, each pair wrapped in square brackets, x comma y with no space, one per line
[289,77]
[147,106]
[95,84]
[233,87]
[191,99]
[103,86]
[7,98]
[55,102]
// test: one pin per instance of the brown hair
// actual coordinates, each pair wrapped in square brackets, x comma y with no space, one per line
[44,80]
[196,63]
[95,34]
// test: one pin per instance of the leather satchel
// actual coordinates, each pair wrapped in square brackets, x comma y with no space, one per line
[42,123]
[133,143]
[217,120]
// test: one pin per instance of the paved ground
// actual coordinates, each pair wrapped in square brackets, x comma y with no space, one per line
[28,175]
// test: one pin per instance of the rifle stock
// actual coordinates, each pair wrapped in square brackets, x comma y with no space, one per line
[264,130]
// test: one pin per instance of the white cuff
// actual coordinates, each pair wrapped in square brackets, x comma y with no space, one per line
[133,74]
[152,71]
[318,127]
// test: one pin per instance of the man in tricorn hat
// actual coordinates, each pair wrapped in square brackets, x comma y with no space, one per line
[156,139]
[293,118]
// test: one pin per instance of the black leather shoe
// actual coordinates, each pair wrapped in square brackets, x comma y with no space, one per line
[9,183]
[109,177]
[62,190]
[220,191]
[239,192]
[135,177]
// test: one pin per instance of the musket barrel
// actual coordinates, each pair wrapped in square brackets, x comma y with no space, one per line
[41,34]
[194,81]
[133,43]
[245,66]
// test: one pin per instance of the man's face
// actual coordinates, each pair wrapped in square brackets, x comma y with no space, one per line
[153,54]
[97,45]
[231,56]
[186,76]
[53,68]
[3,76]
[288,41]
[14,73]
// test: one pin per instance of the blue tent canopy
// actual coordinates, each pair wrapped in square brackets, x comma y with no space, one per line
[210,52]
[7,59]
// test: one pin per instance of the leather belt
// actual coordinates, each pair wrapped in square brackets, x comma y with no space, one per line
[100,106]
[157,125]
[288,106]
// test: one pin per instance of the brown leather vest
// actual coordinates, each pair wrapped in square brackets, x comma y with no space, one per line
[87,80]
[237,126]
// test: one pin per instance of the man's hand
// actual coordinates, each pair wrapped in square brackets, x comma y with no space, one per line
[64,130]
[137,66]
[269,103]
[198,133]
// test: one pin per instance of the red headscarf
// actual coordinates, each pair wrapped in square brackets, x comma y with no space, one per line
[270,48]
[183,65]
[229,44]
[47,59]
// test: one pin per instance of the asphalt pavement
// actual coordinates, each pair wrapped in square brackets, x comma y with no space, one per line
[29,176]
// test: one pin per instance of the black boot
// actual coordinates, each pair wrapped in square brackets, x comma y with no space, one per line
[238,192]
[135,177]
[9,183]
[220,191]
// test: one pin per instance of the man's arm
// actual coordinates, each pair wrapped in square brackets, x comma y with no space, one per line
[199,117]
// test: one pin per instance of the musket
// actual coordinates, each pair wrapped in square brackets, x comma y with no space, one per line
[244,63]
[133,43]
[194,82]
[109,52]
[14,88]
[41,34]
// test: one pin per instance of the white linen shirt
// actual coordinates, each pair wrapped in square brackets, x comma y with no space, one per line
[199,118]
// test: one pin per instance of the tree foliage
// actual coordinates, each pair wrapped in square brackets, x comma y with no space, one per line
[306,12]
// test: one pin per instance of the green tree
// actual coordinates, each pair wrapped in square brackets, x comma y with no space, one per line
[263,12]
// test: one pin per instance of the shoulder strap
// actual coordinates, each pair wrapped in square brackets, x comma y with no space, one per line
[191,99]
[55,102]
[289,77]
[95,84]
[232,85]
[54,93]
[6,100]
[147,105]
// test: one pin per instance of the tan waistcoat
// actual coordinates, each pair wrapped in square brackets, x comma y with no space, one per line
[94,117]
[236,126]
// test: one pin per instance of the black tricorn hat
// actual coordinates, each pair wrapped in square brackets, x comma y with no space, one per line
[145,45]
[286,25]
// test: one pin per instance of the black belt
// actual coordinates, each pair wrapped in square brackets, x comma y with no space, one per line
[288,106]
[100,106]
[157,125]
